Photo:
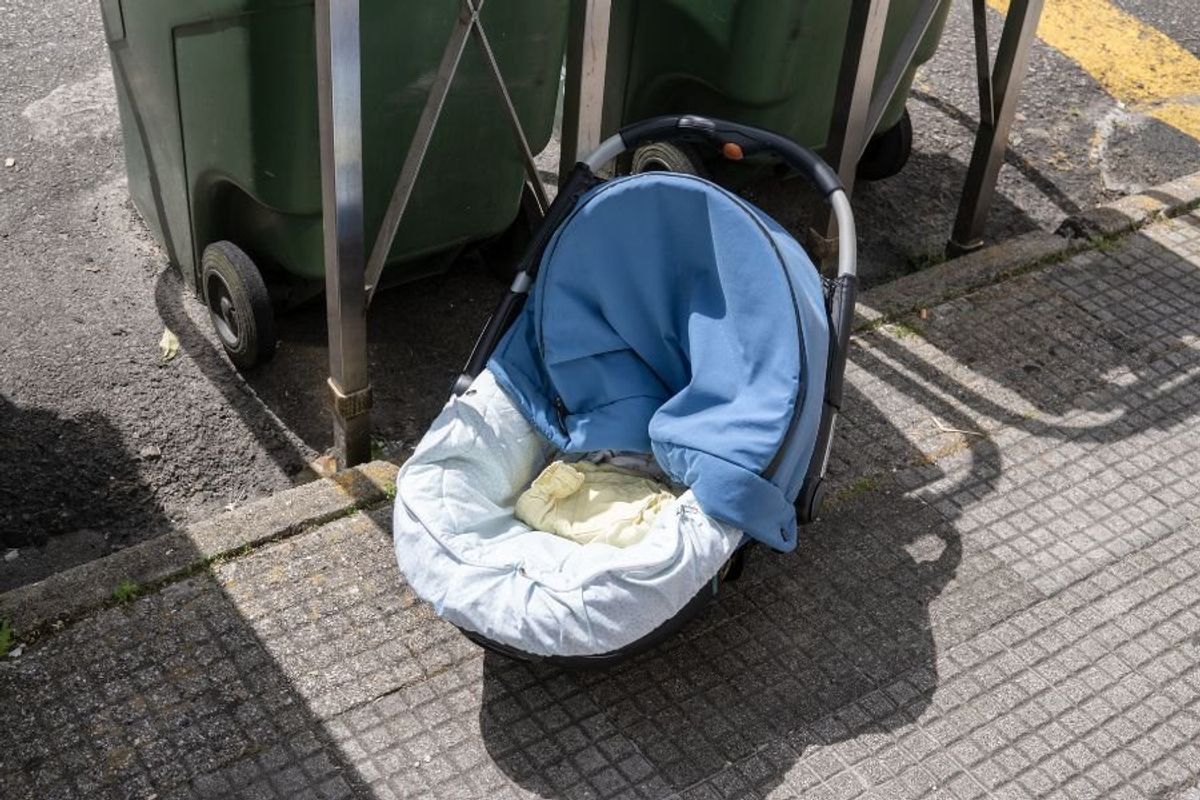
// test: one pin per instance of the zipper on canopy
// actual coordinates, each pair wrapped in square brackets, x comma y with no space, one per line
[560,414]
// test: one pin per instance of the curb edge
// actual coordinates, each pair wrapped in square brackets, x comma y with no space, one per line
[50,602]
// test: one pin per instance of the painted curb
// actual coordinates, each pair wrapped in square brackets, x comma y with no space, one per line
[1130,213]
[66,595]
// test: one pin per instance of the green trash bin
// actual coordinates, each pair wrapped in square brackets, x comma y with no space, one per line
[218,106]
[769,63]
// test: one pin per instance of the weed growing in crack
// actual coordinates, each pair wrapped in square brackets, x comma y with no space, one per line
[127,591]
[7,636]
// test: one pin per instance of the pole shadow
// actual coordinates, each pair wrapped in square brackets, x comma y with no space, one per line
[1107,333]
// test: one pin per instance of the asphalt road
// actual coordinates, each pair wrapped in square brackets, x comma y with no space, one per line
[103,443]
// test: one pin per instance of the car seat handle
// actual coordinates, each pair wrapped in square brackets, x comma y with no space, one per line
[734,141]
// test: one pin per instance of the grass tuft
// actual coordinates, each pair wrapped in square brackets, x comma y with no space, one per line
[7,637]
[867,483]
[904,330]
[127,591]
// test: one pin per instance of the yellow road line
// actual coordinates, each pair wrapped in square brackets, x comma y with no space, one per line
[1134,62]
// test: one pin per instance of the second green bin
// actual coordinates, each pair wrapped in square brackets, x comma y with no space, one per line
[769,63]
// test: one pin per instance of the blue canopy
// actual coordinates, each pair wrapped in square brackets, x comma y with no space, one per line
[671,316]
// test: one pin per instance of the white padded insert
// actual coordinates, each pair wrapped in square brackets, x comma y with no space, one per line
[461,548]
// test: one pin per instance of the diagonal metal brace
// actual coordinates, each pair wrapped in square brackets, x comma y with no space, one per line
[882,96]
[514,121]
[467,25]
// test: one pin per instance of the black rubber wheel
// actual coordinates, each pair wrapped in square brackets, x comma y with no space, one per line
[664,157]
[503,253]
[238,303]
[887,152]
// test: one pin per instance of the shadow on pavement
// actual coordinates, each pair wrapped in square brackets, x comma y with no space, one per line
[1105,334]
[419,335]
[1012,158]
[903,223]
[70,491]
[259,419]
[832,643]
[311,668]
[172,696]
[837,643]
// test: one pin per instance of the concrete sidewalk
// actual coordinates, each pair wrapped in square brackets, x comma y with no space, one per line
[1003,600]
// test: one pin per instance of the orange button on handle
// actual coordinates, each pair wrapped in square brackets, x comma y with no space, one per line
[732,151]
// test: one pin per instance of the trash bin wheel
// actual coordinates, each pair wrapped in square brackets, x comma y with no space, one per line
[664,157]
[888,151]
[238,302]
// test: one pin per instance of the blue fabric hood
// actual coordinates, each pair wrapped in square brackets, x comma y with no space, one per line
[671,316]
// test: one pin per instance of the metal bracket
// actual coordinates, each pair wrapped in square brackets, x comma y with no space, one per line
[353,404]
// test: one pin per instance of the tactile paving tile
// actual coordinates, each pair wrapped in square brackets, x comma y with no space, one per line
[337,618]
[172,695]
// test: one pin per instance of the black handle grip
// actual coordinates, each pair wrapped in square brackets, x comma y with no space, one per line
[747,139]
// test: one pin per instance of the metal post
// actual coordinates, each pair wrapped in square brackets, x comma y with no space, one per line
[983,67]
[998,90]
[340,111]
[848,132]
[898,67]
[583,99]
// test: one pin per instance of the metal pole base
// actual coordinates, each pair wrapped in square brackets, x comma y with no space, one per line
[351,439]
[954,249]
